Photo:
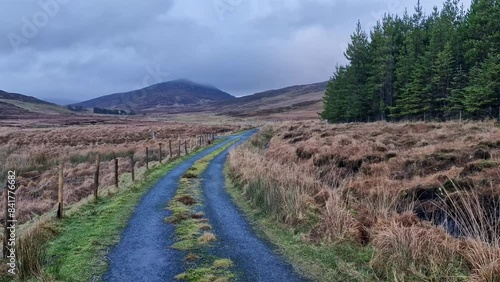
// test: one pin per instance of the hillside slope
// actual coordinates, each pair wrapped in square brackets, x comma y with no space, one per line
[303,101]
[167,97]
[12,104]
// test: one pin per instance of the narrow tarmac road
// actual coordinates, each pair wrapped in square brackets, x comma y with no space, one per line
[144,253]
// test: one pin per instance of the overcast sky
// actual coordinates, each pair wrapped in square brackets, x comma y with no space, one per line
[73,50]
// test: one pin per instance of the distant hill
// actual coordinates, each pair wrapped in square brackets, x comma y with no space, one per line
[168,97]
[18,104]
[301,101]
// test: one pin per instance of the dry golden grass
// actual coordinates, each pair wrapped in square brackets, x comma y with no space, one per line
[414,251]
[389,186]
[207,237]
[31,249]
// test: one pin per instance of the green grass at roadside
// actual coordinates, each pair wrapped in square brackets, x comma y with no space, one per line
[78,252]
[318,262]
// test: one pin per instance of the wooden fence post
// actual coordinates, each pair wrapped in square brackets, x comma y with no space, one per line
[116,173]
[179,149]
[160,153]
[147,158]
[96,175]
[170,148]
[132,167]
[60,194]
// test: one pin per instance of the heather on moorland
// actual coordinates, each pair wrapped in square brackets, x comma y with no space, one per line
[422,198]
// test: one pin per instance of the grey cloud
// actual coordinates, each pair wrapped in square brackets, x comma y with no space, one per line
[91,48]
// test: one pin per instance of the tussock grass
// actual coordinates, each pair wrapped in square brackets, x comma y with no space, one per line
[392,188]
[477,220]
[31,250]
[318,262]
[207,237]
[416,253]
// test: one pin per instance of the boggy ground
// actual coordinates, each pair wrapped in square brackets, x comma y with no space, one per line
[423,198]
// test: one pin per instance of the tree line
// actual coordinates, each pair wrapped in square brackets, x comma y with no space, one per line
[103,111]
[440,66]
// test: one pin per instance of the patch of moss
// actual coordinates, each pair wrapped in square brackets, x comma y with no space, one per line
[218,271]
[223,263]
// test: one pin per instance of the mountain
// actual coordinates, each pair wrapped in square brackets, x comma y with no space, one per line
[12,104]
[168,97]
[183,96]
[300,101]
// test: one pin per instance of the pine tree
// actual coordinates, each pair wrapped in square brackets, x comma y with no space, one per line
[403,70]
[357,72]
[380,71]
[417,66]
[482,36]
[456,100]
[443,74]
[336,97]
[482,96]
[413,97]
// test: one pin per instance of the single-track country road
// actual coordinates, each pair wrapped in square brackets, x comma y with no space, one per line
[144,252]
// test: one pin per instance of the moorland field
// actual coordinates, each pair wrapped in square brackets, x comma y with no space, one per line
[383,201]
[343,202]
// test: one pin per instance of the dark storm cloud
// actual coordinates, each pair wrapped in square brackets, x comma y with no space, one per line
[77,50]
